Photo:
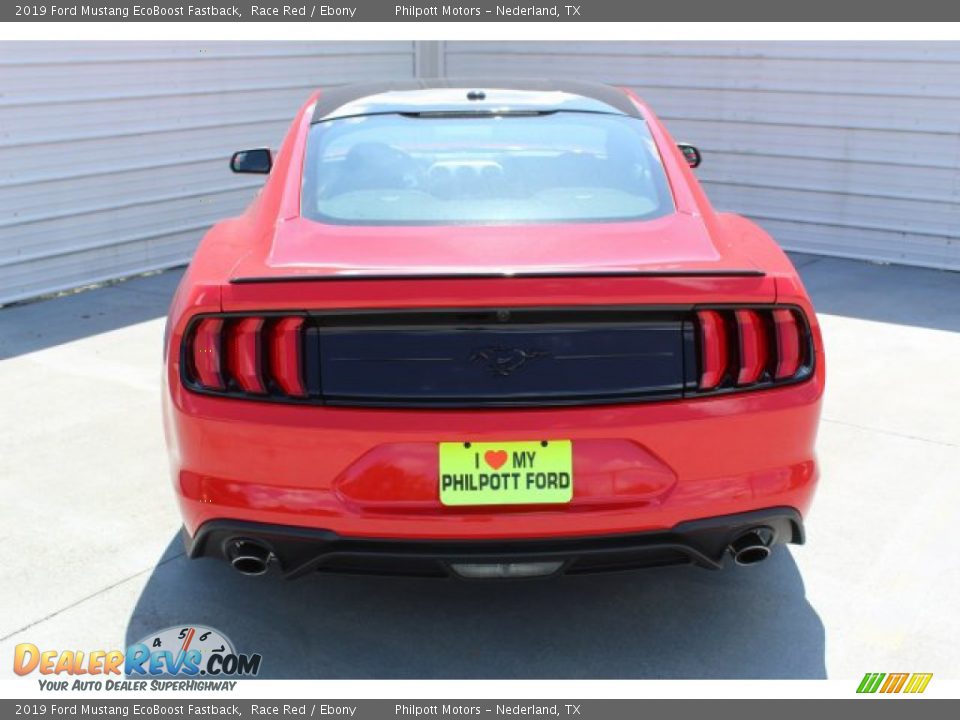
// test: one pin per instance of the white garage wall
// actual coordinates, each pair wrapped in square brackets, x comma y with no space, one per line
[113,156]
[849,149]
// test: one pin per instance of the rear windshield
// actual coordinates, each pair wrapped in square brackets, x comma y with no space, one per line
[503,169]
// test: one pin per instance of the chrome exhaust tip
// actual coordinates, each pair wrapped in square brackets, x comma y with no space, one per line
[752,546]
[248,557]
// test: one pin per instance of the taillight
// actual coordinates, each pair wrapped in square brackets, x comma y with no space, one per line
[207,355]
[753,346]
[257,356]
[243,354]
[285,365]
[747,348]
[713,347]
[279,357]
[788,343]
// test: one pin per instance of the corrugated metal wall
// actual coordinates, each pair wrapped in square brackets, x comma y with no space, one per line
[849,149]
[113,155]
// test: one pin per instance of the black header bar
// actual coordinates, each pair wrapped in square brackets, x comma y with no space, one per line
[478,11]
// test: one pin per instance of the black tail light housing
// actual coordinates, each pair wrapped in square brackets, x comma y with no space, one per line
[576,356]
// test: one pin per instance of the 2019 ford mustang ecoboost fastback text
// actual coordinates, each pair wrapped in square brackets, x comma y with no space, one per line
[489,329]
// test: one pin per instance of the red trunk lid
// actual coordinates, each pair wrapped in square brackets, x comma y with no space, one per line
[670,260]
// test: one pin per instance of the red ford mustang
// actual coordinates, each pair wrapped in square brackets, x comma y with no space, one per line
[488,329]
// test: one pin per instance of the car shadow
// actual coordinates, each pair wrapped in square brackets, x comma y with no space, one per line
[679,622]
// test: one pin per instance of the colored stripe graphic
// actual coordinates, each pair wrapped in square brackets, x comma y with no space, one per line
[918,682]
[870,682]
[894,682]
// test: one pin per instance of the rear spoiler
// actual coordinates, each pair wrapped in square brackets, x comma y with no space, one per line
[502,275]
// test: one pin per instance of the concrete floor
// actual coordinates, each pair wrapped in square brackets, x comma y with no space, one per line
[93,561]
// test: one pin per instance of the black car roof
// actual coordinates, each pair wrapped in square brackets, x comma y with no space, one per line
[470,94]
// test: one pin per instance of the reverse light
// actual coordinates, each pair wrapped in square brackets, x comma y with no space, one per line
[506,570]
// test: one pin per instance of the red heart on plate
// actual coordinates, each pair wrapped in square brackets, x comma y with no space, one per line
[495,458]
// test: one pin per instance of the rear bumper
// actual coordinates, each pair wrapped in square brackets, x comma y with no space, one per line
[298,551]
[372,473]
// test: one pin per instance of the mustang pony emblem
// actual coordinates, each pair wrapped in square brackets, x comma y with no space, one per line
[503,360]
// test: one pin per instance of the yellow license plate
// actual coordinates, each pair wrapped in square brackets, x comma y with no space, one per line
[506,473]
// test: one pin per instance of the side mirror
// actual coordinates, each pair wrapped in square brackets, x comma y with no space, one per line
[690,154]
[258,161]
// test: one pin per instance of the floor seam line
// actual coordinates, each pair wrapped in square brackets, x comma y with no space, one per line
[891,432]
[82,600]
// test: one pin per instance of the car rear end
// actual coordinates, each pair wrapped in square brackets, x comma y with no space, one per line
[314,432]
[368,385]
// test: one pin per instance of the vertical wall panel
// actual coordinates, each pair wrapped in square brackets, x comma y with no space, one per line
[113,156]
[848,149]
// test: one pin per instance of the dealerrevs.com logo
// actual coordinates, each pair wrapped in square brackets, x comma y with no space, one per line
[177,658]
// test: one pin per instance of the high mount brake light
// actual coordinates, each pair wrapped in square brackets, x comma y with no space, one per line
[747,348]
